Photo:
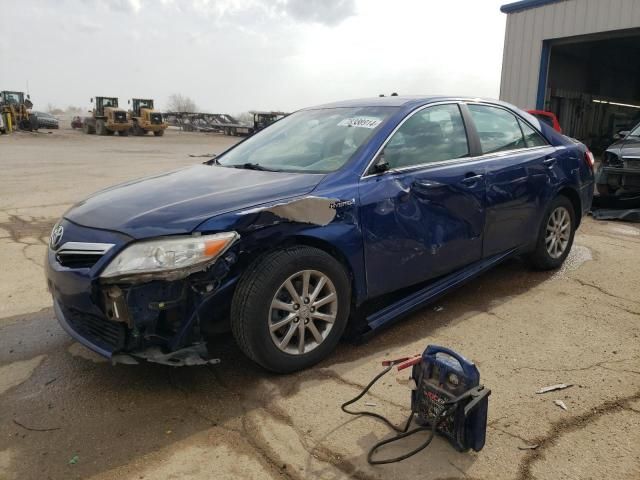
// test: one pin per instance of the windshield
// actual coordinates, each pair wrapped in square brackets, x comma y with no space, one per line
[109,102]
[635,132]
[13,98]
[310,141]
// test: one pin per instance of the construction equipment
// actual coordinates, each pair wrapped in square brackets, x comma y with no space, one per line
[15,109]
[264,119]
[145,118]
[260,120]
[106,118]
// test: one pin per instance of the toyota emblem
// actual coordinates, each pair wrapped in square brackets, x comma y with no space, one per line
[56,236]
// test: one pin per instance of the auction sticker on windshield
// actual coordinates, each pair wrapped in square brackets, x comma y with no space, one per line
[362,122]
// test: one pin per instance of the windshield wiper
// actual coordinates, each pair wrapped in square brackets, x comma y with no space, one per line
[212,161]
[253,166]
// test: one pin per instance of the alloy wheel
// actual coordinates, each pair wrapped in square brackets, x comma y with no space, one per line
[558,232]
[303,312]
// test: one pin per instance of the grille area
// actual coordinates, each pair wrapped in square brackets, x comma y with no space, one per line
[120,117]
[71,260]
[104,333]
[81,255]
[632,163]
[156,118]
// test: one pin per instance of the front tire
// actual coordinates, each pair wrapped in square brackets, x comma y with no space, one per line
[101,129]
[158,133]
[555,237]
[290,308]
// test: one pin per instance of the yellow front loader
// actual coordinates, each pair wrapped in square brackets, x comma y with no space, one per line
[145,118]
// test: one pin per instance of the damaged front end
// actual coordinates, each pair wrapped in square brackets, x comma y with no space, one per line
[161,319]
[148,300]
[618,177]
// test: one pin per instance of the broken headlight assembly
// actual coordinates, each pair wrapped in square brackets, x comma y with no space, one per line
[169,258]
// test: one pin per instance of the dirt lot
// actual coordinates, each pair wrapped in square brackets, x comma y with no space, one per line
[65,413]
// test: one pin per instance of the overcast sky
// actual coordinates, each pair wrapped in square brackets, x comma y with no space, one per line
[235,55]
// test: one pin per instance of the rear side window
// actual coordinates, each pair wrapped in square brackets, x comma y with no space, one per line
[544,118]
[531,137]
[433,134]
[498,129]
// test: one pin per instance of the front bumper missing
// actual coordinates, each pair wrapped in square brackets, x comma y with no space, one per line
[185,357]
[195,354]
[618,181]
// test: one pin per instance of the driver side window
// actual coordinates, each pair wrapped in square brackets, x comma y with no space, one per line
[431,135]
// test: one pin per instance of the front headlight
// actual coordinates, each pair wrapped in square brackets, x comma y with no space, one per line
[169,255]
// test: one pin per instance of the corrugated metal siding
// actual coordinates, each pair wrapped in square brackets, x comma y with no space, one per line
[527,29]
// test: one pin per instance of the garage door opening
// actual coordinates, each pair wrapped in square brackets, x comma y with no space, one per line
[593,85]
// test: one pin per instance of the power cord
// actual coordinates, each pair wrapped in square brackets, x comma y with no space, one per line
[402,432]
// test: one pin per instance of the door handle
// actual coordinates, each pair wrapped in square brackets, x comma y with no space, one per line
[549,162]
[471,179]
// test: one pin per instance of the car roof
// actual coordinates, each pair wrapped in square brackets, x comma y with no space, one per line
[402,101]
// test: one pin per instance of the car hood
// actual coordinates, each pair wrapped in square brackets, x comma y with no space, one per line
[178,201]
[630,146]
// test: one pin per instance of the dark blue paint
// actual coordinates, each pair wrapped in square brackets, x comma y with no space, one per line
[412,302]
[420,224]
[404,228]
[177,202]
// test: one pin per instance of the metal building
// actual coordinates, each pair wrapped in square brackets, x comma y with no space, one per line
[577,58]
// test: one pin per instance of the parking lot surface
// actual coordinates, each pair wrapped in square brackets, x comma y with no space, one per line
[66,413]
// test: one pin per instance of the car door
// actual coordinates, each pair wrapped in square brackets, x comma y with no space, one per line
[424,216]
[519,179]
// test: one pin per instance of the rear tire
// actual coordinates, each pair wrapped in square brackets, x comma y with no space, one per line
[310,329]
[33,122]
[555,237]
[124,133]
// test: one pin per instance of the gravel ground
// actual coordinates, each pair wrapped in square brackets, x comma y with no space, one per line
[65,413]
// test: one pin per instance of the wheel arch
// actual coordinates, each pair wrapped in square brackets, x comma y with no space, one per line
[574,198]
[326,246]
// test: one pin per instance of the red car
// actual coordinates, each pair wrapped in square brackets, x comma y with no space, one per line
[76,122]
[547,117]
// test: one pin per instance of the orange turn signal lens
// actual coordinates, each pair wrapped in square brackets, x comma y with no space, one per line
[214,247]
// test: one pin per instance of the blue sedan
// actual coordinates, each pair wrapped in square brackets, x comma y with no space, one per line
[287,238]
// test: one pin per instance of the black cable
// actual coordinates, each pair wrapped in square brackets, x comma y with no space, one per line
[400,436]
[373,414]
[403,432]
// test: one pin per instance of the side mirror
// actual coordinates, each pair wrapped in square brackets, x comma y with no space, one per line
[91,100]
[623,133]
[129,102]
[380,165]
[28,97]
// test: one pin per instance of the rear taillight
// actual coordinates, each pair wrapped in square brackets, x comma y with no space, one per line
[589,159]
